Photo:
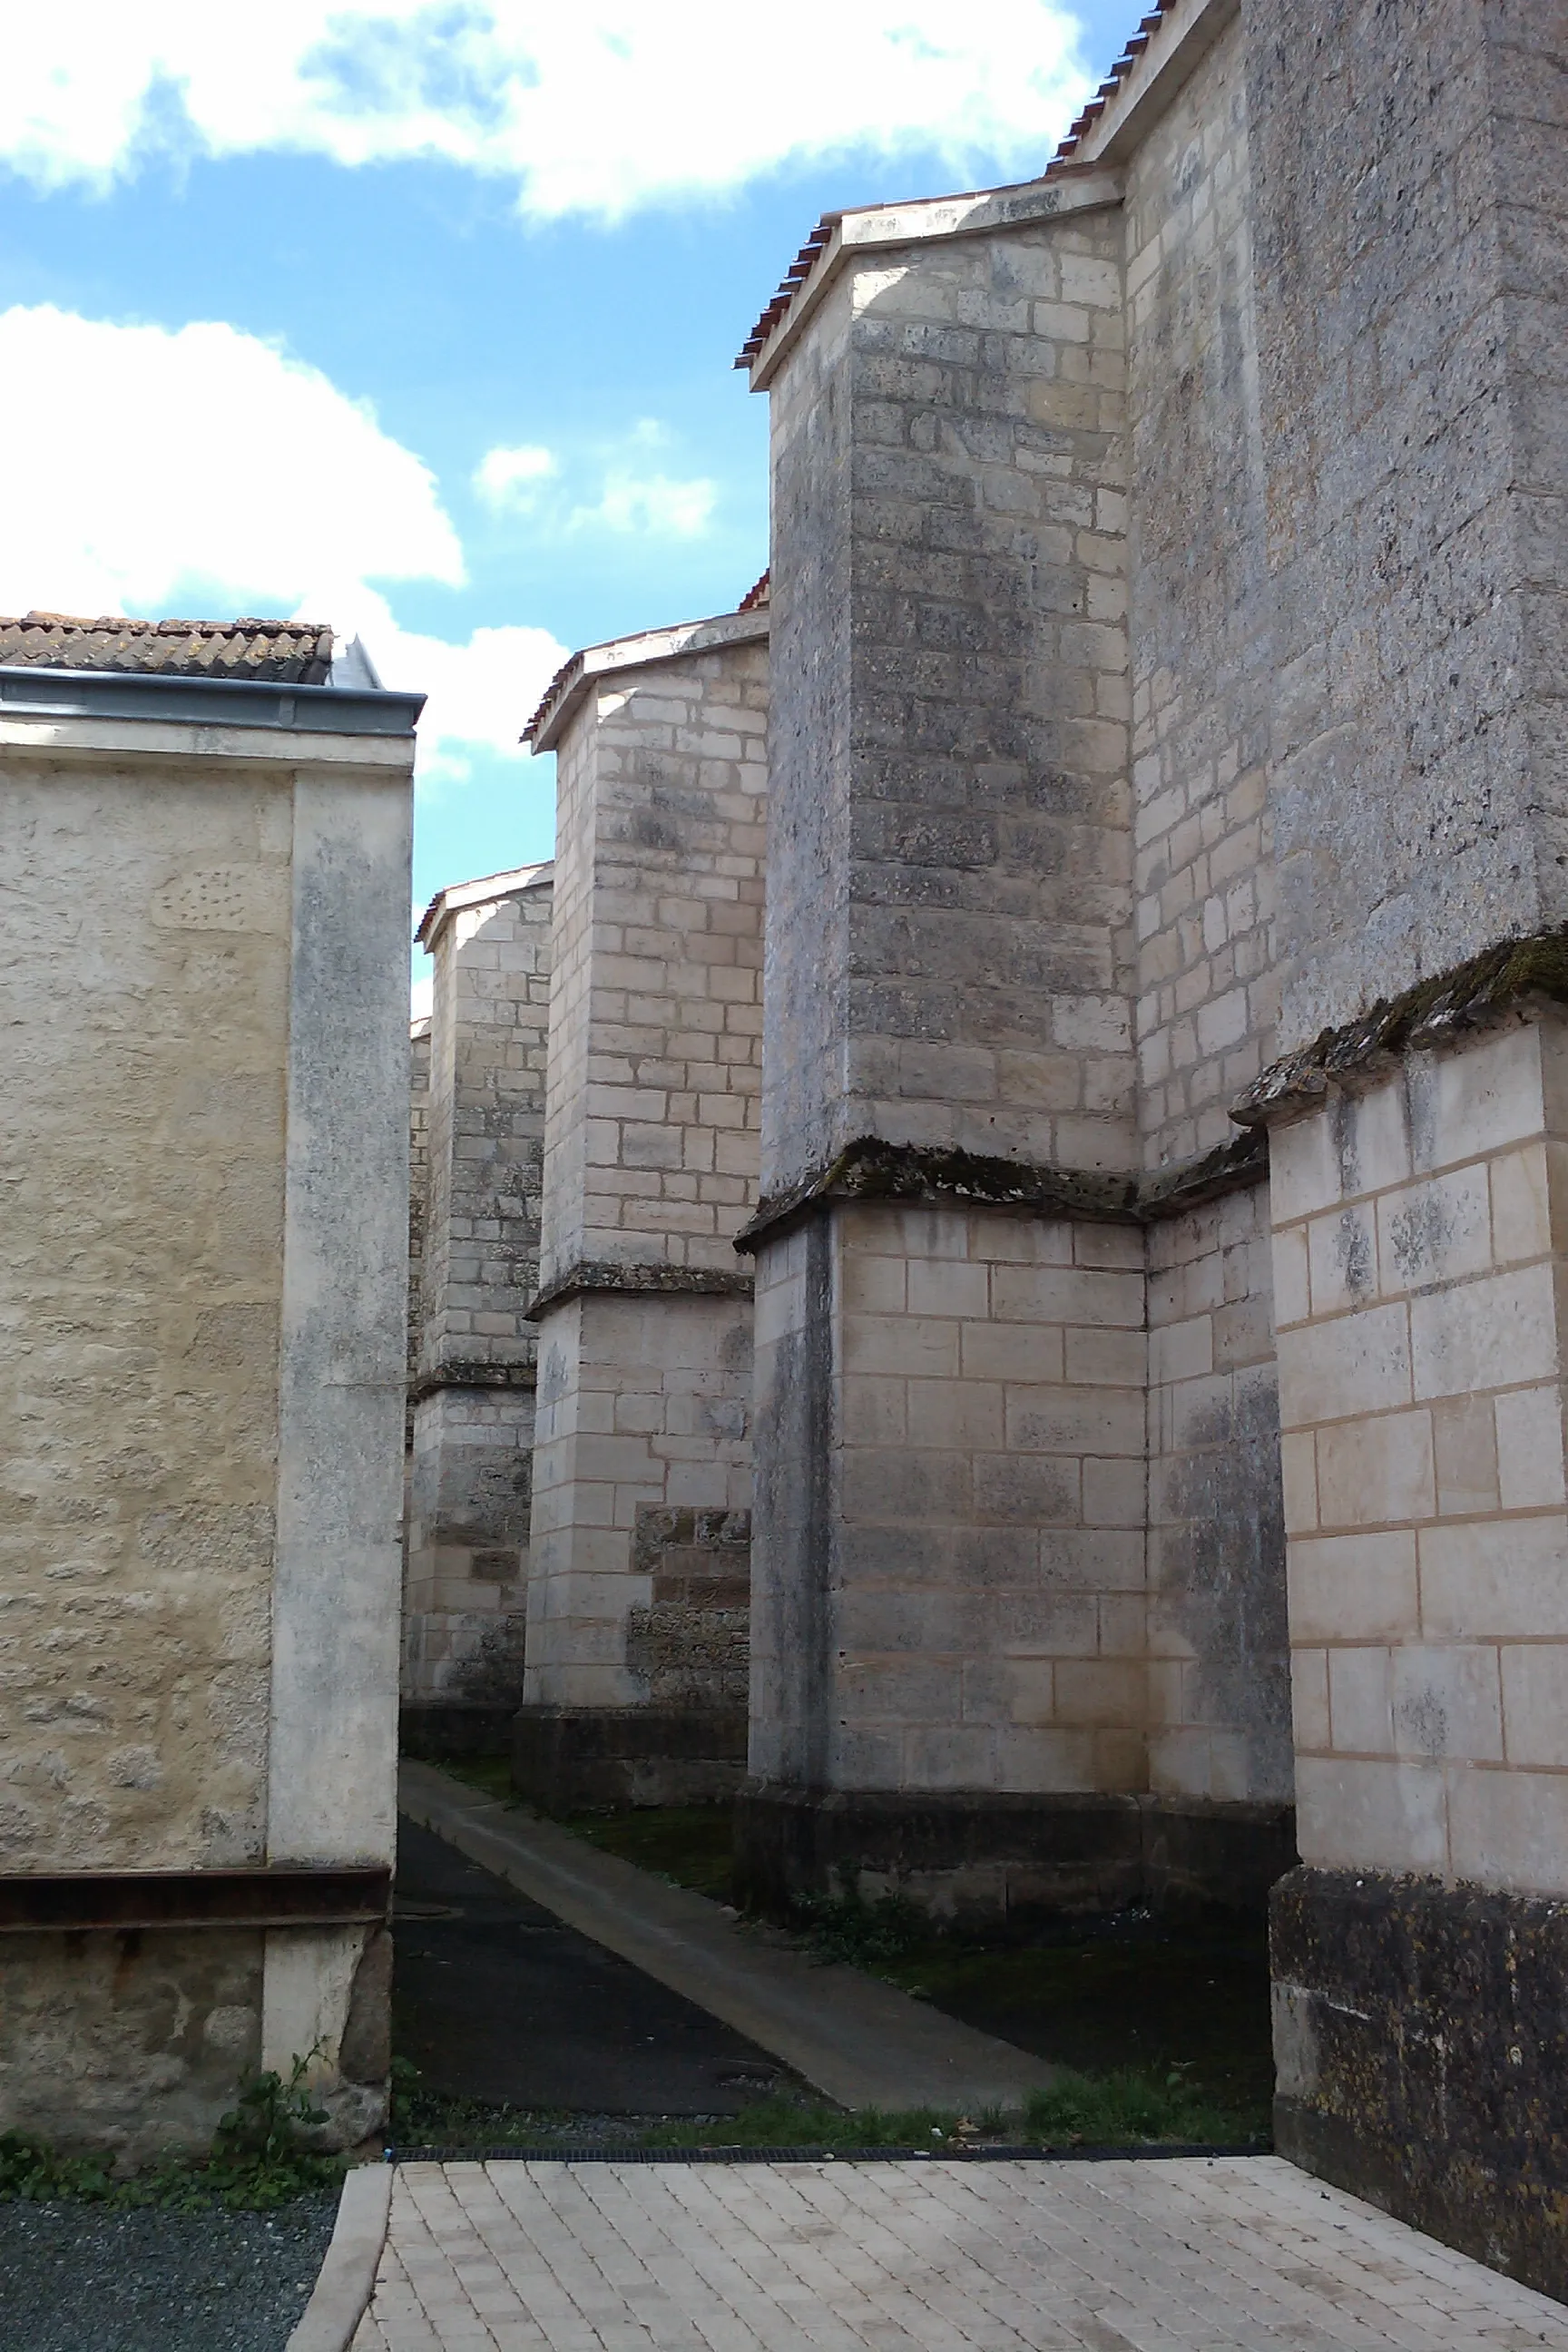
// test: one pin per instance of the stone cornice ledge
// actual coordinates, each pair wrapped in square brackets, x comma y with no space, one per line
[871,1169]
[480,1373]
[638,1282]
[1433,1016]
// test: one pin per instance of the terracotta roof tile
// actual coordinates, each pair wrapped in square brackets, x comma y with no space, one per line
[756,597]
[282,653]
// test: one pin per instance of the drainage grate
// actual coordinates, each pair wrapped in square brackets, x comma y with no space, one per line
[1145,2151]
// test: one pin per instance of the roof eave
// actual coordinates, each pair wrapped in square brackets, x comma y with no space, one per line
[586,670]
[873,228]
[479,892]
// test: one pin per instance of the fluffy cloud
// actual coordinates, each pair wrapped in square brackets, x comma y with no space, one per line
[224,476]
[599,109]
[479,693]
[511,477]
[651,504]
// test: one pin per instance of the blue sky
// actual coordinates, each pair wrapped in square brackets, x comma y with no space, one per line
[422,319]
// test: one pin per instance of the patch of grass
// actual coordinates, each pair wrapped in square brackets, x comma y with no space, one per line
[421,2117]
[1133,2105]
[491,1774]
[1125,1994]
[257,2161]
[688,1844]
[1131,2108]
[863,1935]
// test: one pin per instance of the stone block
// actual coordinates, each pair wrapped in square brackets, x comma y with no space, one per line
[1530,1449]
[1485,1334]
[1372,1815]
[1495,1579]
[1357,1364]
[1376,1473]
[1356,1587]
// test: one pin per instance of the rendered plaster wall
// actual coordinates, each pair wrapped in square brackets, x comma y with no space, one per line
[146,974]
[470,1466]
[1219,1664]
[1410,183]
[1203,678]
[202,1413]
[644,1419]
[655,1020]
[949,1587]
[949,954]
[1417,1245]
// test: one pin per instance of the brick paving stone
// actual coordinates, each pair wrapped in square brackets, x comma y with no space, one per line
[1229,2254]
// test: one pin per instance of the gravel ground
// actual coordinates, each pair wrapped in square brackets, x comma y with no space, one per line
[75,2278]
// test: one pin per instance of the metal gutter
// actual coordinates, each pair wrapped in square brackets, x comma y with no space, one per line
[29,692]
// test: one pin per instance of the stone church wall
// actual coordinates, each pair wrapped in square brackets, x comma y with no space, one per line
[1202,695]
[641,1524]
[472,1388]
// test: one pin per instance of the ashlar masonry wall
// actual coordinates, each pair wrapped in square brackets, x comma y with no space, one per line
[1419,1253]
[949,924]
[641,1524]
[472,1387]
[977,1674]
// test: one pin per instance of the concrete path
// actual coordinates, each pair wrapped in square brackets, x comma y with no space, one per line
[860,2042]
[497,2000]
[1178,2255]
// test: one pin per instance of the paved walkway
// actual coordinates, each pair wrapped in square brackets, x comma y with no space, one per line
[862,2044]
[1234,2254]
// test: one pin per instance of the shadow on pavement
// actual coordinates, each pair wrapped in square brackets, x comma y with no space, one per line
[496,2001]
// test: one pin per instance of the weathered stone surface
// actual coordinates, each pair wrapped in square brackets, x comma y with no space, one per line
[567,1760]
[948,916]
[1422,2057]
[990,1862]
[1406,167]
[644,1318]
[1201,616]
[205,1290]
[478,1150]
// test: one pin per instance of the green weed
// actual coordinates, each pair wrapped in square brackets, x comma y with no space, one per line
[257,2160]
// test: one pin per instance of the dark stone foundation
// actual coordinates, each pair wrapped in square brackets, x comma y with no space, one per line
[988,1861]
[566,1760]
[1421,2039]
[435,1729]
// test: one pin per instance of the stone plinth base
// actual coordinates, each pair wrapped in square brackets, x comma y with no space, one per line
[982,1859]
[567,1758]
[1422,2047]
[434,1729]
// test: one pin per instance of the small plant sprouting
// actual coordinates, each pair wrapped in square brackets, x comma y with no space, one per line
[257,2160]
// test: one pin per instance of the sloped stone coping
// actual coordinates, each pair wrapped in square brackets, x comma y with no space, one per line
[342,2293]
[1434,1014]
[871,1169]
[651,1281]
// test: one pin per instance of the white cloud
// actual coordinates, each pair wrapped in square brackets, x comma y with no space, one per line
[479,694]
[652,503]
[599,107]
[511,477]
[204,470]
